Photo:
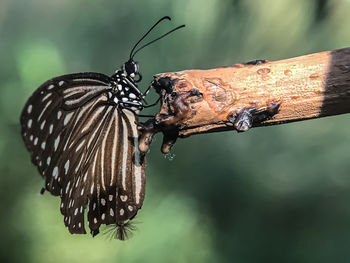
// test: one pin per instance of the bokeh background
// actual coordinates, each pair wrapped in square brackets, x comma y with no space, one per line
[273,194]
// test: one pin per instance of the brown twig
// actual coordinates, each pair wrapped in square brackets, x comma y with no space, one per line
[253,94]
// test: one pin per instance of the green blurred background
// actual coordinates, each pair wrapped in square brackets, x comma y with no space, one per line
[275,194]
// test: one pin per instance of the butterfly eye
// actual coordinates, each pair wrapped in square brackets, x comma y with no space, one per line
[130,68]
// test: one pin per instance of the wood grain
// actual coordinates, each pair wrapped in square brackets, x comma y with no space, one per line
[306,87]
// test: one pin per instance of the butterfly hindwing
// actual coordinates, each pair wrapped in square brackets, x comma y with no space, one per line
[86,148]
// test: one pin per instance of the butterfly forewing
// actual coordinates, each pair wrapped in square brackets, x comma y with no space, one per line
[86,148]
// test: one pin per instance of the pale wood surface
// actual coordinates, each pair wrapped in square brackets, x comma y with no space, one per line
[306,87]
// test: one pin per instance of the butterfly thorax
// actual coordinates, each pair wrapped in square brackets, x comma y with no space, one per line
[125,93]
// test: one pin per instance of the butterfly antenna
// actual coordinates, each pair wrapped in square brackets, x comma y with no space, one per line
[145,45]
[138,42]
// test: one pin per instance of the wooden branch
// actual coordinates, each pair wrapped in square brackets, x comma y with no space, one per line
[253,94]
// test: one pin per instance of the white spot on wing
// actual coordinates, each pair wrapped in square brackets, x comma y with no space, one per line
[50,128]
[57,141]
[48,160]
[77,182]
[59,114]
[42,125]
[66,167]
[67,118]
[29,123]
[67,187]
[43,145]
[85,176]
[55,172]
[29,108]
[111,212]
[121,211]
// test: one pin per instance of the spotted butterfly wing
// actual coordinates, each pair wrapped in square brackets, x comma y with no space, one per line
[81,132]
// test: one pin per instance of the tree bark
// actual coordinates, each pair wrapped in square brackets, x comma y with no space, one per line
[252,94]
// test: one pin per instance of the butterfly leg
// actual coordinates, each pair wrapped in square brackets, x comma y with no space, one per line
[144,95]
[147,90]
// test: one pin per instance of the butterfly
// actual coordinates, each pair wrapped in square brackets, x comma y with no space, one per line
[81,132]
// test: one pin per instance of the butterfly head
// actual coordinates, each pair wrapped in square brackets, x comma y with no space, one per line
[131,69]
